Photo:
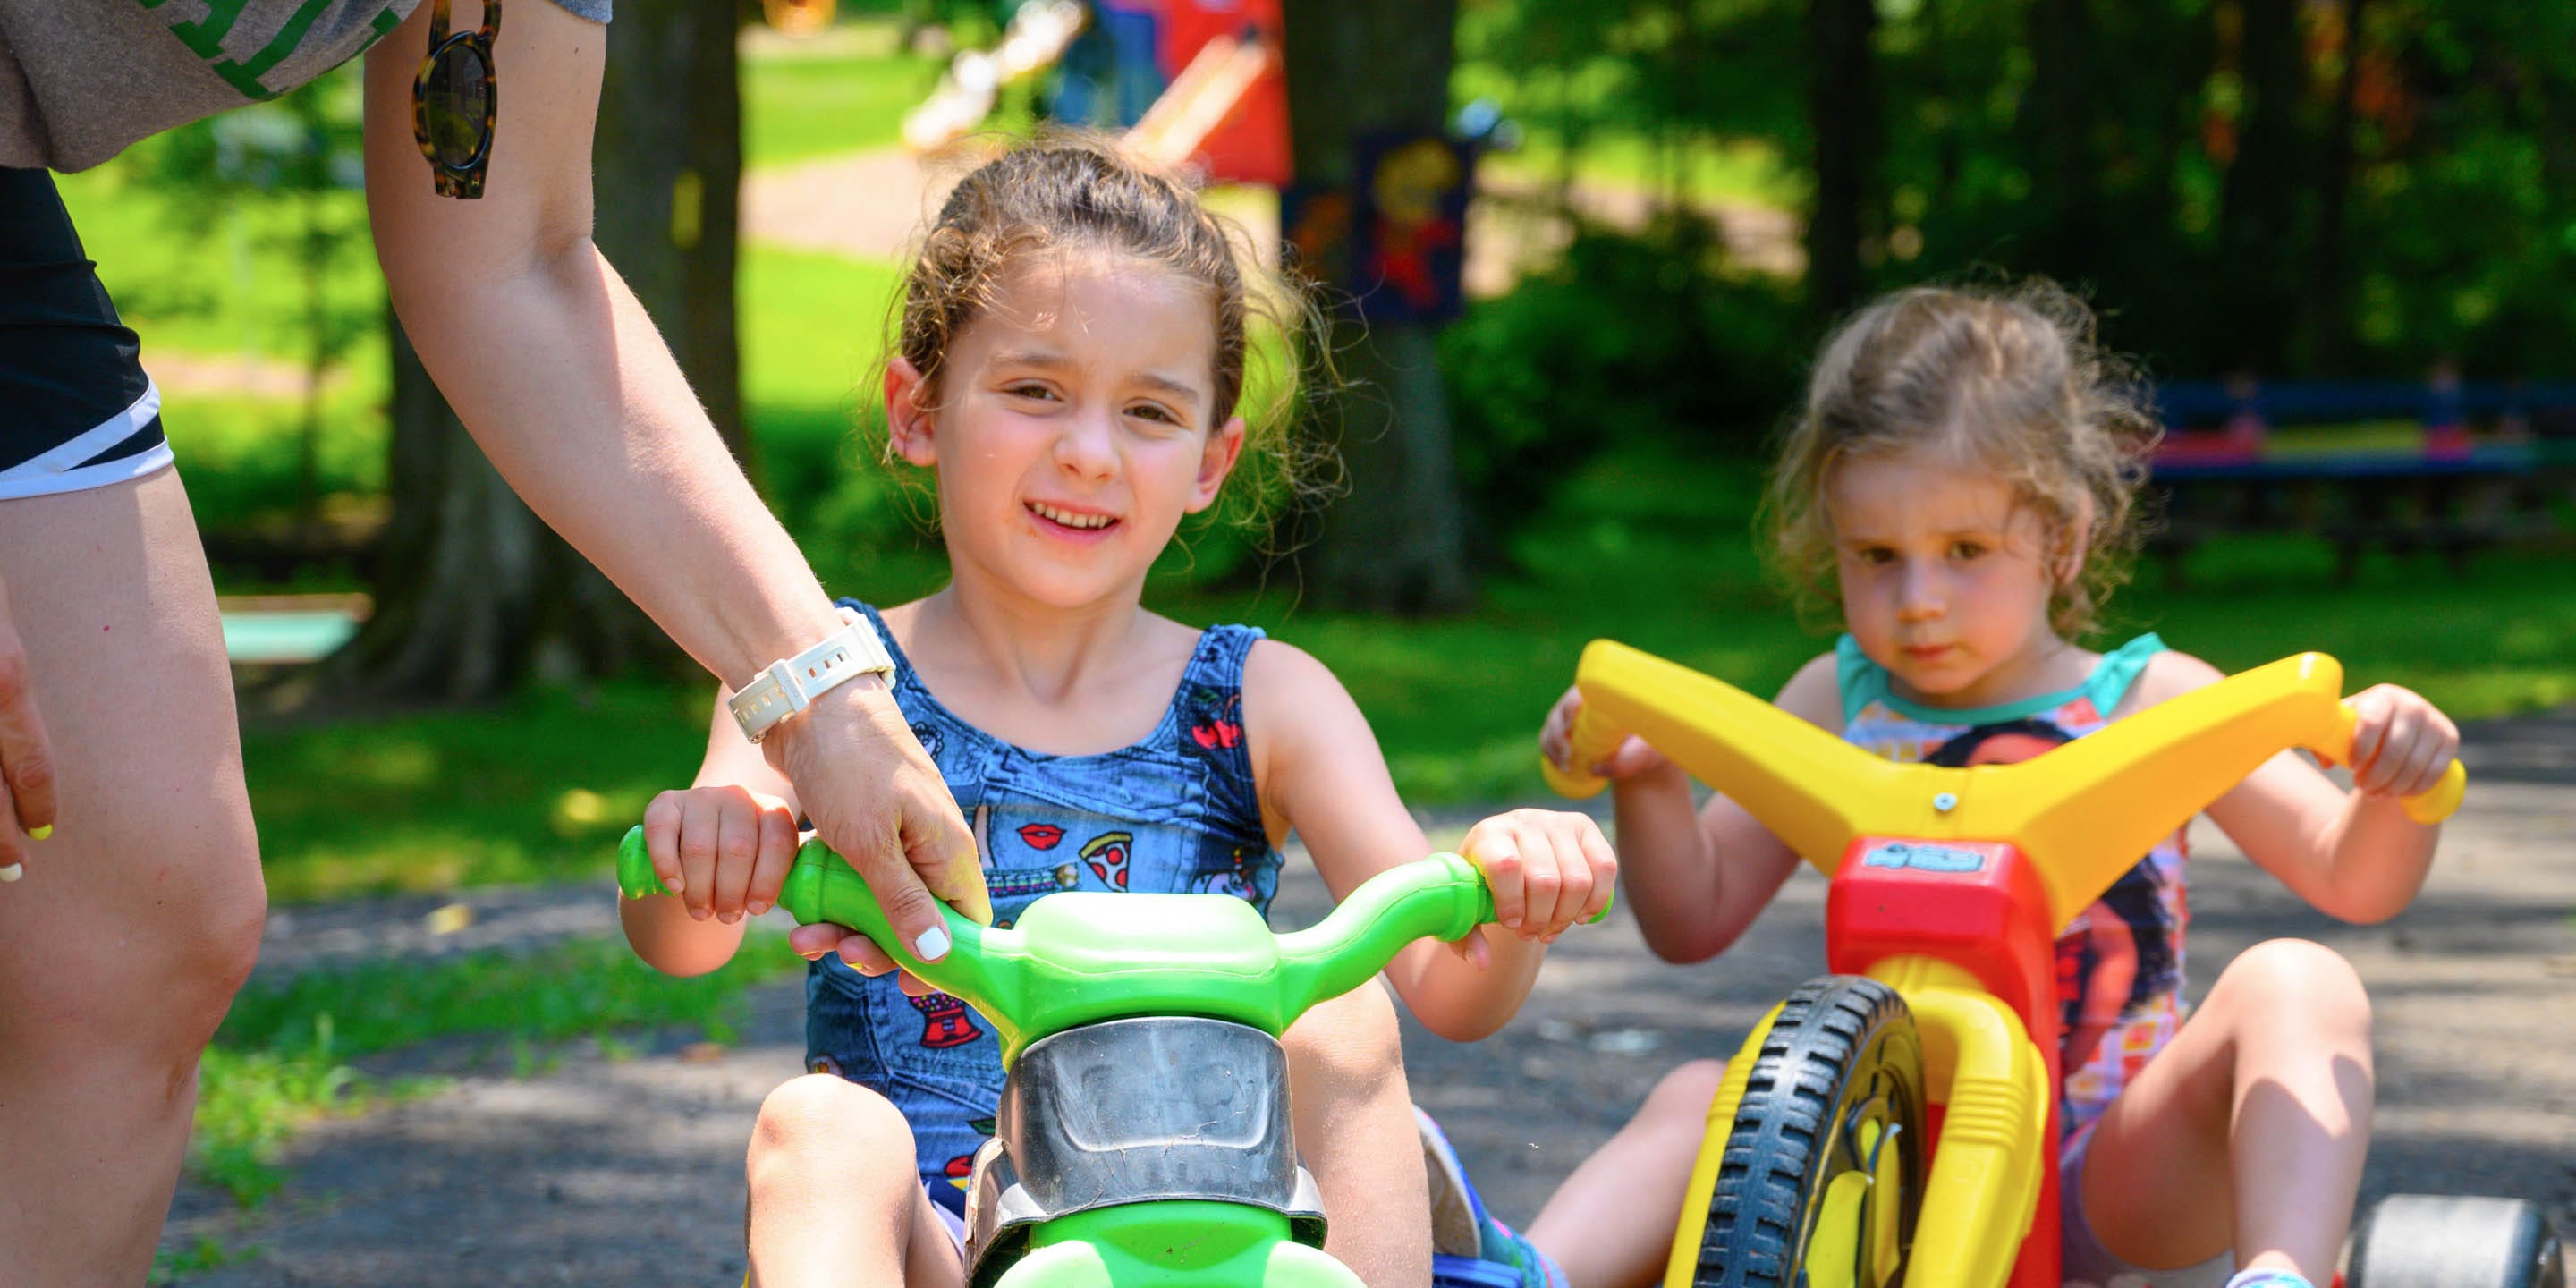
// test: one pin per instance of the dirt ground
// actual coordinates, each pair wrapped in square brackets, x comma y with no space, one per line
[631,1172]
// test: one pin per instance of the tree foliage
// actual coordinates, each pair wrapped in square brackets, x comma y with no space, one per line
[2284,186]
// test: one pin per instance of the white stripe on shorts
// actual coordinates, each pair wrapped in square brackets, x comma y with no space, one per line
[60,470]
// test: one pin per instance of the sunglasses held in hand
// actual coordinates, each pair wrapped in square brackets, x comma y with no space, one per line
[455,102]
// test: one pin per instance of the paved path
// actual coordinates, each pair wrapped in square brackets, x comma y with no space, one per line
[875,204]
[631,1172]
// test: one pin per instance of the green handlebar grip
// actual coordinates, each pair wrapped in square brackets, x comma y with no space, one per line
[821,887]
[635,876]
[1078,957]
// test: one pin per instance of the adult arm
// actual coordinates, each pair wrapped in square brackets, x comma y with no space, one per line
[560,377]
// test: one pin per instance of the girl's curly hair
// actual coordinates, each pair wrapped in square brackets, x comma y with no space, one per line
[2010,380]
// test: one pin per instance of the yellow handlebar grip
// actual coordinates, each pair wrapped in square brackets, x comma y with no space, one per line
[1590,742]
[2426,808]
[1570,784]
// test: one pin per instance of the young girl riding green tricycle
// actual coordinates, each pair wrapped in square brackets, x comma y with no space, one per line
[1070,369]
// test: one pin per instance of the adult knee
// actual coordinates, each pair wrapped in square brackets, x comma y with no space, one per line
[819,1127]
[207,949]
[150,979]
[2301,983]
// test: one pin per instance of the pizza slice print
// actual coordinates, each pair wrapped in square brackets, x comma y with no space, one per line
[1106,856]
[961,1169]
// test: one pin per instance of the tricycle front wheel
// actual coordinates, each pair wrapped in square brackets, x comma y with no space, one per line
[1822,1174]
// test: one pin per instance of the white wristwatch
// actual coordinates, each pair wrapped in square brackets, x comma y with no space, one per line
[791,684]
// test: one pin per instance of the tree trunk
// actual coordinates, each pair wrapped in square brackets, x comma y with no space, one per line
[2257,222]
[2329,331]
[474,594]
[1396,542]
[2058,117]
[1842,109]
[471,590]
[669,184]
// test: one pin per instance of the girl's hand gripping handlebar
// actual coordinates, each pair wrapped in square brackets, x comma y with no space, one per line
[2429,807]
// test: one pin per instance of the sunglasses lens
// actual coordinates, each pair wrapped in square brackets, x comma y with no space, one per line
[456,104]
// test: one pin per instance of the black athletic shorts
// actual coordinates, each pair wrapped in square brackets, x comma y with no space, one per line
[76,410]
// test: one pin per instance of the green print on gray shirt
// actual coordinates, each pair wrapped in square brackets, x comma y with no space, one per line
[205,37]
[82,79]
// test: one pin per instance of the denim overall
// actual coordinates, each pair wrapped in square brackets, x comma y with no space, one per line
[1174,813]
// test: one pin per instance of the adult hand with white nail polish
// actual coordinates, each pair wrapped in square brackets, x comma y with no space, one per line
[852,748]
[726,844]
[26,757]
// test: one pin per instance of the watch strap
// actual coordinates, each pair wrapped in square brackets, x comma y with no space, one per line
[790,685]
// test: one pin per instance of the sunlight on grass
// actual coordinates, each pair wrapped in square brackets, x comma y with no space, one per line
[281,1061]
[798,105]
[467,797]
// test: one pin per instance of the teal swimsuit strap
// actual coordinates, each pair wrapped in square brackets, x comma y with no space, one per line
[1865,681]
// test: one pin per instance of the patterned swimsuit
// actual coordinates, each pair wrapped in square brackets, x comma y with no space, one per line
[2119,966]
[1174,813]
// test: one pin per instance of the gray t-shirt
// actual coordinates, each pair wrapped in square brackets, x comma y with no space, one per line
[81,79]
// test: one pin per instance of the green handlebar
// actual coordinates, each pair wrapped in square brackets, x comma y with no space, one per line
[1079,957]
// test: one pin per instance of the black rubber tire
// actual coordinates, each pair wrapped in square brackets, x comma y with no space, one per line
[2437,1241]
[1840,1042]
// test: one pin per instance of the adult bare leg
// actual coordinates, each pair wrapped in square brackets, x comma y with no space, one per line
[137,921]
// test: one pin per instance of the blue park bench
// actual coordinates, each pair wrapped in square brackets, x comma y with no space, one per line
[2429,485]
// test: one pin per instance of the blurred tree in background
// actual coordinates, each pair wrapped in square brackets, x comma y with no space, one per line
[2279,187]
[298,151]
[1396,541]
[2284,188]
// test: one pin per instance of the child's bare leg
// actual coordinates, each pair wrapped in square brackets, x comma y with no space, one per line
[1355,1132]
[1611,1224]
[835,1198]
[2248,1131]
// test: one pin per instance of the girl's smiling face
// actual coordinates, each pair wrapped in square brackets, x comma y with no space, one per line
[1071,427]
[1945,574]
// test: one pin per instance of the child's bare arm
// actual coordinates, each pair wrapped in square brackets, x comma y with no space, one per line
[1320,771]
[2352,855]
[1696,879]
[725,844]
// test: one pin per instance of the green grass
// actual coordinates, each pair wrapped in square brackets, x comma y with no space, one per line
[841,97]
[214,276]
[282,1058]
[538,789]
[171,1267]
[1738,172]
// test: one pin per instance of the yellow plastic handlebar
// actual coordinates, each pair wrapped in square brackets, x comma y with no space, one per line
[2083,813]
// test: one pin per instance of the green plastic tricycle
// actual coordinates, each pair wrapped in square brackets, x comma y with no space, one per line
[1144,1135]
